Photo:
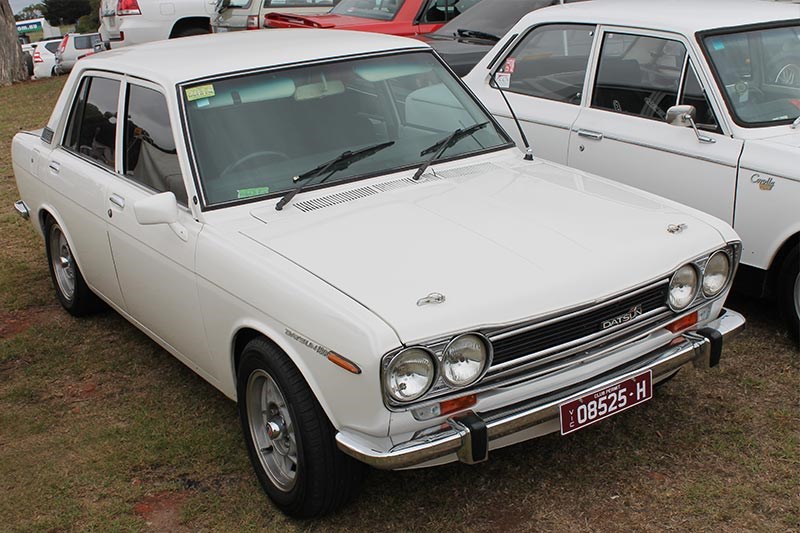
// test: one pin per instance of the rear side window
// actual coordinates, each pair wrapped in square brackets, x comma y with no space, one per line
[550,62]
[638,75]
[52,46]
[84,42]
[93,122]
[150,157]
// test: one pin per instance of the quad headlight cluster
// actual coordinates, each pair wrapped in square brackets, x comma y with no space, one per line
[412,372]
[700,279]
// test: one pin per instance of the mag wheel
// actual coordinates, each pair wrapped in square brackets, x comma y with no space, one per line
[71,289]
[289,438]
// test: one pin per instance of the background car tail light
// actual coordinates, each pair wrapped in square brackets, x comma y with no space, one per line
[63,45]
[252,22]
[128,7]
[37,57]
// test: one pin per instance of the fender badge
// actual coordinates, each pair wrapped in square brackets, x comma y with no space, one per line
[676,228]
[765,184]
[432,298]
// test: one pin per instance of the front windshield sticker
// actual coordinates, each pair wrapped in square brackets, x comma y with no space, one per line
[503,79]
[509,66]
[201,91]
[254,191]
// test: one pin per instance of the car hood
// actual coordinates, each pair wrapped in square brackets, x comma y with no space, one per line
[502,240]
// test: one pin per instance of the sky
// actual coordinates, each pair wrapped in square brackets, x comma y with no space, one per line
[17,5]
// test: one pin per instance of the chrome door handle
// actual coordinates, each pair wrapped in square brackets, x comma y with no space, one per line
[595,135]
[117,200]
[55,167]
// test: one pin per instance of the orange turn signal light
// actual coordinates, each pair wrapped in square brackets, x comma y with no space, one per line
[348,365]
[683,323]
[457,404]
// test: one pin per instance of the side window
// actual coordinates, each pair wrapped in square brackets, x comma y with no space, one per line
[693,94]
[550,62]
[638,75]
[444,10]
[150,157]
[92,128]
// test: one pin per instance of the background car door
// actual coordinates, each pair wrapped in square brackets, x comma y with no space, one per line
[79,169]
[543,77]
[622,134]
[154,264]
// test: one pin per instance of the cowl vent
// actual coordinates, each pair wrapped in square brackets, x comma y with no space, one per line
[362,192]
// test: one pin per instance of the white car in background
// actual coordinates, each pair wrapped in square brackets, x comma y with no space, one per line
[44,59]
[75,46]
[129,22]
[337,235]
[236,15]
[602,86]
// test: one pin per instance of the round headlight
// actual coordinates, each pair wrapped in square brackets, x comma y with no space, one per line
[464,360]
[683,287]
[716,274]
[409,375]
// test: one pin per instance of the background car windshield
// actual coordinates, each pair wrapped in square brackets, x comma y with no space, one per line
[760,73]
[368,9]
[494,17]
[252,134]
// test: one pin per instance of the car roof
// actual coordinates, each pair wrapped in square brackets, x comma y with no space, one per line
[679,16]
[189,58]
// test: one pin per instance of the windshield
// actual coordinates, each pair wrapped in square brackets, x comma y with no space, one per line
[494,17]
[253,133]
[759,72]
[369,9]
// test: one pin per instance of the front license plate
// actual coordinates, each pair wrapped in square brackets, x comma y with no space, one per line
[595,406]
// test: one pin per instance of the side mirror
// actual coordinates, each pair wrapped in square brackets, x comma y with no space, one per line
[157,209]
[160,208]
[683,116]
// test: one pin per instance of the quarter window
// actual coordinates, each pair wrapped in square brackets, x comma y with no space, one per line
[638,75]
[694,94]
[550,63]
[92,128]
[150,157]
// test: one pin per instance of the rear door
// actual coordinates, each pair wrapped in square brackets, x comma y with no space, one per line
[543,77]
[622,134]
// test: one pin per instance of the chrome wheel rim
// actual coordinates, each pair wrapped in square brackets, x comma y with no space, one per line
[63,263]
[272,430]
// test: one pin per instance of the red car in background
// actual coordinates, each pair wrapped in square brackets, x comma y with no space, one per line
[395,17]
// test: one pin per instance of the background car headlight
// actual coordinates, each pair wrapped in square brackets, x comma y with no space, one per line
[683,287]
[464,360]
[716,274]
[409,375]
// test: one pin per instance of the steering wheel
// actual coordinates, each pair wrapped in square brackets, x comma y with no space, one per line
[255,155]
[788,75]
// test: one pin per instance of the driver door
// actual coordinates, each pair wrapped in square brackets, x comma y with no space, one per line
[622,134]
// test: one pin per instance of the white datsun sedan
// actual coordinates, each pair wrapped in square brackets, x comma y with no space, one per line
[337,235]
[602,86]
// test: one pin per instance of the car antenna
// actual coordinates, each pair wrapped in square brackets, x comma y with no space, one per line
[528,150]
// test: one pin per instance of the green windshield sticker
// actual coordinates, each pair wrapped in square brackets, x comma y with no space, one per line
[255,191]
[201,91]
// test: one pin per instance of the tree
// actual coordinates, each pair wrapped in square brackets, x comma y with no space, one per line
[89,23]
[33,11]
[59,12]
[12,62]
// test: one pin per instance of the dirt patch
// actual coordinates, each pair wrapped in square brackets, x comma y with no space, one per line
[162,511]
[15,322]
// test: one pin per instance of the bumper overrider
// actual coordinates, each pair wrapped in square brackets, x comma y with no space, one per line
[468,434]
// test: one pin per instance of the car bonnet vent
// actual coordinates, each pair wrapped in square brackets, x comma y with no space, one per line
[362,192]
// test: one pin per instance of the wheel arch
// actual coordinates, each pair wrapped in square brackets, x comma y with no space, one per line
[45,212]
[778,260]
[189,22]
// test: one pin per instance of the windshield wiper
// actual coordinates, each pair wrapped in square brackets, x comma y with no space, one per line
[439,147]
[476,34]
[340,162]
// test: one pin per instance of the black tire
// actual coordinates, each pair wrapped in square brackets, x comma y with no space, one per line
[324,479]
[188,32]
[789,291]
[29,64]
[79,300]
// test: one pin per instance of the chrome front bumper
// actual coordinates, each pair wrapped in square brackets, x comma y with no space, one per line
[22,209]
[467,435]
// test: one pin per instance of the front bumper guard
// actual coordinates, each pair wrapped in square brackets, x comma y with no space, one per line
[22,209]
[468,434]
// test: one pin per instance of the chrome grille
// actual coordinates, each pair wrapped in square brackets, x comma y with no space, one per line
[574,328]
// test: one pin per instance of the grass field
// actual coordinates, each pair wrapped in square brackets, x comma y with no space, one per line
[101,430]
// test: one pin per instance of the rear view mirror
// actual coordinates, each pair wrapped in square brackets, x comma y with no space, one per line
[683,116]
[157,209]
